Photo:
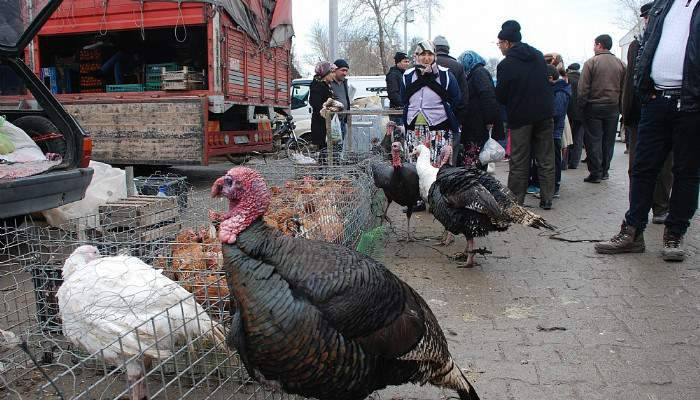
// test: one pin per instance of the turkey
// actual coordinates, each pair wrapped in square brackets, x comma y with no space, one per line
[399,183]
[318,319]
[471,202]
[104,299]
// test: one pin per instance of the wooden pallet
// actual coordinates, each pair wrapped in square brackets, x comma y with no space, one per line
[141,218]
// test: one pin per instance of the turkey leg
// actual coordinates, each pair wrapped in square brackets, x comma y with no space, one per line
[447,238]
[468,254]
[135,378]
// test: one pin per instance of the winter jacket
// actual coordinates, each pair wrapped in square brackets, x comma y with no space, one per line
[690,91]
[393,86]
[344,94]
[319,92]
[601,82]
[483,108]
[447,81]
[562,95]
[631,109]
[573,112]
[523,86]
[445,60]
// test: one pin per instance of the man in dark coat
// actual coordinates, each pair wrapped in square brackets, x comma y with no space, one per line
[575,120]
[444,59]
[524,88]
[667,80]
[631,113]
[393,83]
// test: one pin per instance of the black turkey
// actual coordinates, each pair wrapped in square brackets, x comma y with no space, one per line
[399,183]
[318,319]
[468,201]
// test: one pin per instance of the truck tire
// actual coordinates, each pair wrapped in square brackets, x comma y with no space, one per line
[35,125]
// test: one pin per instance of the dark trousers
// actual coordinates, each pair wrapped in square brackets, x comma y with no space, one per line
[662,129]
[576,149]
[538,137]
[601,129]
[662,190]
[557,163]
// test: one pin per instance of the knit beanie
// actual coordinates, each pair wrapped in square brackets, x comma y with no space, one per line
[510,31]
[644,11]
[340,63]
[441,43]
[574,67]
[399,56]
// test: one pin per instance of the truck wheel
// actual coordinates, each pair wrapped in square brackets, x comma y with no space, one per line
[297,147]
[36,126]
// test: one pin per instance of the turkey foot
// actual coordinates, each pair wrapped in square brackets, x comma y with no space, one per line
[447,238]
[468,254]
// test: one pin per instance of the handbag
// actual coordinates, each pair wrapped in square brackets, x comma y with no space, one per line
[492,151]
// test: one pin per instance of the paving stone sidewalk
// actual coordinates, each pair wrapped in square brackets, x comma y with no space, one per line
[551,319]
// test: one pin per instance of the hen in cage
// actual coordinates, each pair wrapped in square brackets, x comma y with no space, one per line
[128,313]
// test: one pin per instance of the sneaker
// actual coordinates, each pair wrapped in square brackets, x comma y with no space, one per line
[628,240]
[591,179]
[659,218]
[533,190]
[556,194]
[673,247]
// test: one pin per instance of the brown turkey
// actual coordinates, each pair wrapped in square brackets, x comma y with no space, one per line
[318,319]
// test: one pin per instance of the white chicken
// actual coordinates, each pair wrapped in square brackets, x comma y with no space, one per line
[130,311]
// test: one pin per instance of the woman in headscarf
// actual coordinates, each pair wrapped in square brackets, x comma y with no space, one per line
[429,93]
[483,110]
[319,92]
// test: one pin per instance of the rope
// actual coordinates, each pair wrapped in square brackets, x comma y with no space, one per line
[180,17]
[103,21]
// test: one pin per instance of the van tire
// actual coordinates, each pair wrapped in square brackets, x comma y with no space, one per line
[35,125]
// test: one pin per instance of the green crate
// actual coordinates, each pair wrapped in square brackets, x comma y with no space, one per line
[158,68]
[153,86]
[134,87]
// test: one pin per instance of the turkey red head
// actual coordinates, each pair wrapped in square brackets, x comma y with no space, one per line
[248,199]
[396,155]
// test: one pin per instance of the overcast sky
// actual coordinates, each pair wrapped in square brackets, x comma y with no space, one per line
[567,27]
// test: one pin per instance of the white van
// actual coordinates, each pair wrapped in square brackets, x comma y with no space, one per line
[364,86]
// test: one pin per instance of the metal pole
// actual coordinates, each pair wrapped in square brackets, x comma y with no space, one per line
[430,19]
[332,29]
[405,23]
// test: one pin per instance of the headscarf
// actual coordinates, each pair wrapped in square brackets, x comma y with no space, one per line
[324,68]
[470,59]
[425,45]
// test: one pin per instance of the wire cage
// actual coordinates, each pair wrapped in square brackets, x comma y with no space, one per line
[335,203]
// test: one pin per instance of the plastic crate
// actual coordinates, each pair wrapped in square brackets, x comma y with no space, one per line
[133,87]
[174,186]
[158,68]
[154,86]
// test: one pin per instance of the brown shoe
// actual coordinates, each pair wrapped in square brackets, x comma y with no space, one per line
[673,247]
[627,241]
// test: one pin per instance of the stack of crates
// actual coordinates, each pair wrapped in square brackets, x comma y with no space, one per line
[171,184]
[154,75]
[130,87]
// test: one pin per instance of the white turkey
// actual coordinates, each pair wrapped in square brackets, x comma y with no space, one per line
[319,319]
[130,311]
[468,201]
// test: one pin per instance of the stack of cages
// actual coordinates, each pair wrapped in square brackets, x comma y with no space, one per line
[186,357]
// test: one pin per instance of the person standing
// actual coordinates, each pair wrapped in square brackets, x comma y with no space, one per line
[562,95]
[344,93]
[429,93]
[444,59]
[529,99]
[631,113]
[575,149]
[393,82]
[667,79]
[483,111]
[599,95]
[319,92]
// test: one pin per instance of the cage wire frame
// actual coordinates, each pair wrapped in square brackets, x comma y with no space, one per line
[179,241]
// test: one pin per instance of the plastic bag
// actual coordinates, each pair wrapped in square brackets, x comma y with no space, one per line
[336,129]
[25,148]
[107,184]
[492,151]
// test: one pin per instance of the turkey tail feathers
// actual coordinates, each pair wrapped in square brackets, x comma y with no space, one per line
[524,217]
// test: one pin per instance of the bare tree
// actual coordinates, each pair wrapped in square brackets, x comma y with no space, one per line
[491,66]
[386,15]
[628,15]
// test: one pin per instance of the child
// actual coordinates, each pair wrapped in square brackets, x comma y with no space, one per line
[562,94]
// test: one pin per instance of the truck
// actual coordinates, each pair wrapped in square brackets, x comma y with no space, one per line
[166,82]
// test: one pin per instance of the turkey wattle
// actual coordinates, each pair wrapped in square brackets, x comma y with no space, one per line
[318,319]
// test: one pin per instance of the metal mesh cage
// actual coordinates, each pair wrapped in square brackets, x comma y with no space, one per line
[332,203]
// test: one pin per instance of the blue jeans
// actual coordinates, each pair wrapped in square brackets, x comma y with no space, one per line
[663,128]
